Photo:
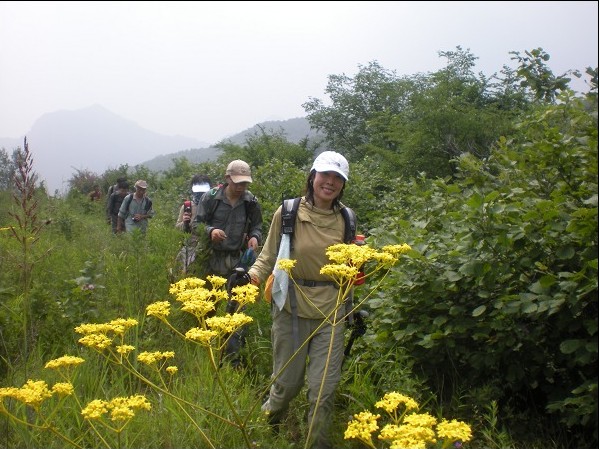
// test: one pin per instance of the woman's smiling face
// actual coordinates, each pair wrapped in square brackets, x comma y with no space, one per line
[327,186]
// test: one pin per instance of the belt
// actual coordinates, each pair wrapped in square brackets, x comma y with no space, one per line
[309,283]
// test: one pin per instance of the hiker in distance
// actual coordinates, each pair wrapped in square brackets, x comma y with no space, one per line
[303,314]
[135,210]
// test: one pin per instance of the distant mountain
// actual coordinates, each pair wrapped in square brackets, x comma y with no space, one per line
[294,130]
[96,139]
[93,139]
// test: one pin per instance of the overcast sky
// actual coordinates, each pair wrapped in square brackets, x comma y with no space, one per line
[211,69]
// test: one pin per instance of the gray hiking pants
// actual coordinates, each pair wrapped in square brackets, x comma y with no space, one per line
[324,352]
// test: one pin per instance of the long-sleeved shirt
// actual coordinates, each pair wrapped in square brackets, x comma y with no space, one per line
[315,230]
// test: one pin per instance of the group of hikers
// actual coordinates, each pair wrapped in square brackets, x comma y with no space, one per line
[224,224]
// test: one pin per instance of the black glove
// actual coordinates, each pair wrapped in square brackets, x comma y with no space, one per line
[238,278]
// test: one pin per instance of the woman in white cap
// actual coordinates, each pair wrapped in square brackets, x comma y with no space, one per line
[319,224]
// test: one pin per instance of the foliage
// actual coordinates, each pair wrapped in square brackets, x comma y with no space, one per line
[505,290]
[262,147]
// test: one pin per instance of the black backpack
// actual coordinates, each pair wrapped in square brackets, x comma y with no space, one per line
[289,210]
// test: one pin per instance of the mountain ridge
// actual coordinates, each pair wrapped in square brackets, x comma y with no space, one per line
[95,139]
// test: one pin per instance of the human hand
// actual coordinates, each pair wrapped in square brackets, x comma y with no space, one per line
[218,235]
[187,217]
[253,244]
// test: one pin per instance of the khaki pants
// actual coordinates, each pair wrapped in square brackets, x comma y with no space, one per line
[324,352]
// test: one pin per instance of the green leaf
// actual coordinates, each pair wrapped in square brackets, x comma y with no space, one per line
[478,311]
[570,346]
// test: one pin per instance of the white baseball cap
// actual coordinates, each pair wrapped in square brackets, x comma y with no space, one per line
[203,187]
[331,161]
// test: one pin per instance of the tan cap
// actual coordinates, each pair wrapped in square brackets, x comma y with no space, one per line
[141,184]
[239,171]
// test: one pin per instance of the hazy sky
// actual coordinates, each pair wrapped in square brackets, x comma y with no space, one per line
[211,69]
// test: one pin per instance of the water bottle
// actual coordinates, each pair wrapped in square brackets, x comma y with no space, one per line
[360,277]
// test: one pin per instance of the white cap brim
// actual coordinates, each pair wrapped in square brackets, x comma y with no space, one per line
[205,187]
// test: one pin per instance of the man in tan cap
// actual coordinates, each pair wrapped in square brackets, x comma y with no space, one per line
[230,218]
[135,210]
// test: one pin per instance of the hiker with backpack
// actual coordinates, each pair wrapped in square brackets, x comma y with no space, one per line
[188,210]
[304,328]
[114,203]
[229,229]
[135,210]
[200,184]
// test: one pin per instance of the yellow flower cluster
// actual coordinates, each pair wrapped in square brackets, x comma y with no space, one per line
[286,265]
[190,283]
[349,258]
[228,323]
[362,426]
[121,408]
[454,430]
[63,388]
[96,336]
[150,358]
[32,393]
[64,361]
[202,336]
[244,294]
[392,400]
[414,431]
[159,309]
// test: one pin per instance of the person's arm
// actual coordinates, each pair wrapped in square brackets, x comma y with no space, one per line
[181,224]
[255,228]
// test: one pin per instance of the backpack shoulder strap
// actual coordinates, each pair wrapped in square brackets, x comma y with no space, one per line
[127,201]
[350,222]
[289,210]
[213,203]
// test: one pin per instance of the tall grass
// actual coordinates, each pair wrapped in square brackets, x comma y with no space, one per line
[89,275]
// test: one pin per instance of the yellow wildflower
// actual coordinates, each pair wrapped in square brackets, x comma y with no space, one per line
[63,388]
[159,309]
[420,420]
[228,323]
[95,409]
[392,400]
[33,393]
[216,281]
[186,284]
[396,249]
[361,427]
[172,370]
[65,360]
[202,336]
[245,294]
[286,265]
[341,273]
[96,341]
[152,357]
[125,349]
[121,325]
[454,430]
[196,294]
[198,307]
